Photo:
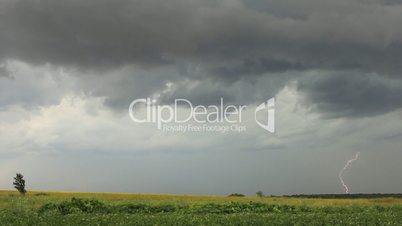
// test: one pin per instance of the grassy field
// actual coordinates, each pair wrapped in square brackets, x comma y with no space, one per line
[66,208]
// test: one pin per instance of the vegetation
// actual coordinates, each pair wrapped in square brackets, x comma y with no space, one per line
[61,208]
[259,194]
[19,184]
[236,195]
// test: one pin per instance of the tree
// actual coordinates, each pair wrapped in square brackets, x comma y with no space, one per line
[19,183]
[259,194]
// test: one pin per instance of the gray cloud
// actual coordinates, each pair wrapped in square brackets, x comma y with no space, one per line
[242,47]
[351,93]
[334,66]
[31,87]
[107,33]
[5,72]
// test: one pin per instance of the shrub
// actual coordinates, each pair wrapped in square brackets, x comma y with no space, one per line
[76,205]
[19,183]
[259,194]
[236,195]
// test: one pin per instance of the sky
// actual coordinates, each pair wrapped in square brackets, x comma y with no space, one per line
[69,70]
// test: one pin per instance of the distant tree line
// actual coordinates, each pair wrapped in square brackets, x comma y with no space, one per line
[348,196]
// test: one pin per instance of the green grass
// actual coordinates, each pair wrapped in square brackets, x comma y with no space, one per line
[58,208]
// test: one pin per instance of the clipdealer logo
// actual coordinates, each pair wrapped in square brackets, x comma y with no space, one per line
[183,116]
[268,108]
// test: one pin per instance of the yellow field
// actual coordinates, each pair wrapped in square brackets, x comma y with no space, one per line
[38,198]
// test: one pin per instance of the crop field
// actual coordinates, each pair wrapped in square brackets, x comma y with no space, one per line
[65,208]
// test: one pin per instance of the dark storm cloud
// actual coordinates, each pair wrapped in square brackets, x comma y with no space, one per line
[255,67]
[231,41]
[113,33]
[97,33]
[352,94]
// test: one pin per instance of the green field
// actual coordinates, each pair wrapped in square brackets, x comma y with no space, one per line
[66,208]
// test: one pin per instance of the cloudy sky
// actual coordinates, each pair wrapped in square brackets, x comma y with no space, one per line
[69,70]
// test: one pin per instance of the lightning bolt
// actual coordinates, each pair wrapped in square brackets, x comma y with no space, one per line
[344,168]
